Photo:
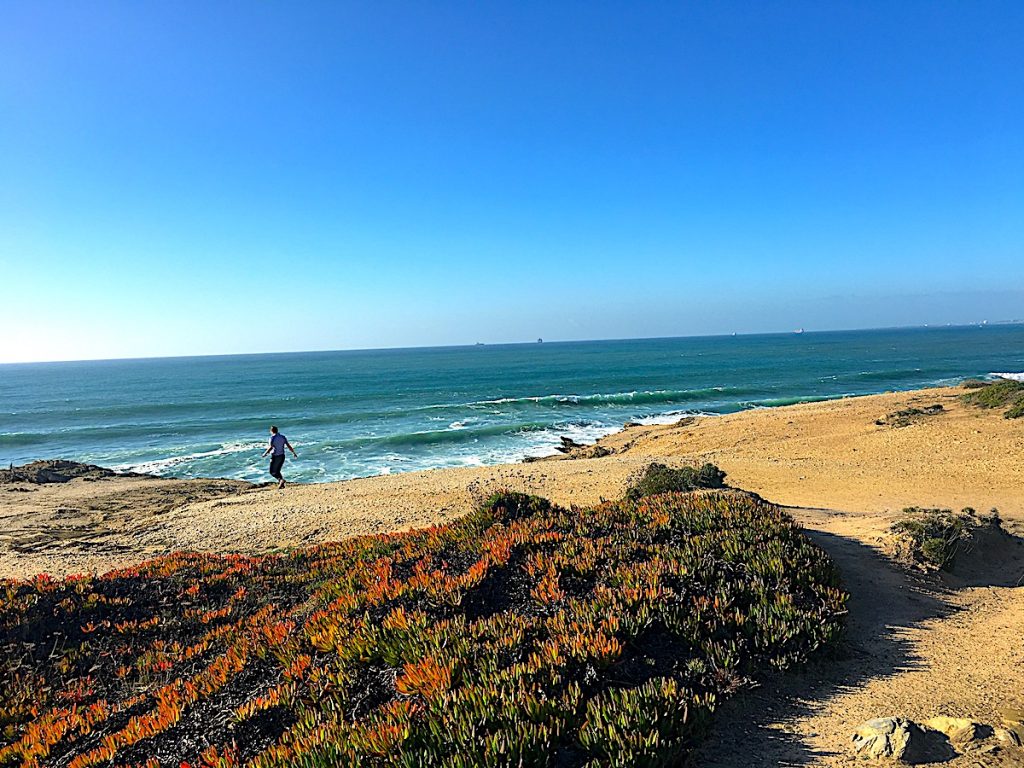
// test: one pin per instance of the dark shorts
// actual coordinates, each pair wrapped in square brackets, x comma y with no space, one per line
[276,462]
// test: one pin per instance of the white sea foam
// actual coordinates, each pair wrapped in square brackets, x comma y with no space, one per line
[663,418]
[159,466]
[1010,376]
[575,399]
[631,397]
[544,442]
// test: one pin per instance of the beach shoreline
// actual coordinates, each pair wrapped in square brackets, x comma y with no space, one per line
[360,414]
[838,454]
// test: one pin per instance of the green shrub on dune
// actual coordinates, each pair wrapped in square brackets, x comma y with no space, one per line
[932,537]
[524,634]
[1004,393]
[658,478]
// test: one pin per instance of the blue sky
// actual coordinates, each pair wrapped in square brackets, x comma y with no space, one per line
[191,178]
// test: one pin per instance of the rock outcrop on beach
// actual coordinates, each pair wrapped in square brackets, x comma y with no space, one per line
[58,471]
[568,444]
[896,738]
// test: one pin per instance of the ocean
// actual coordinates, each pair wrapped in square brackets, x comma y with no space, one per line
[371,412]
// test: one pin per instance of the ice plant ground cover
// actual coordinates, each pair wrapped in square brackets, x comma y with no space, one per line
[521,634]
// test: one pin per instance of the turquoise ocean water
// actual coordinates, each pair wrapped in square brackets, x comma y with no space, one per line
[360,413]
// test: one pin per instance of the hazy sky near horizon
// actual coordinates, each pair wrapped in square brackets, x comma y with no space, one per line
[193,178]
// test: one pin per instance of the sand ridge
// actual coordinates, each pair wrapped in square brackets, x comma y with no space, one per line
[833,453]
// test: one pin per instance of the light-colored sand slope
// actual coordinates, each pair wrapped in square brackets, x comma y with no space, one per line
[98,525]
[93,525]
[834,454]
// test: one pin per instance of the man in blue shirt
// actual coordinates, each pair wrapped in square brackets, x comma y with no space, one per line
[278,443]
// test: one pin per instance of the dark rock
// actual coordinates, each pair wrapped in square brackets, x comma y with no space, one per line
[909,416]
[568,444]
[58,471]
[592,452]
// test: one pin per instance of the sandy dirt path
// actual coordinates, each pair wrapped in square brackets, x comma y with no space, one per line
[916,646]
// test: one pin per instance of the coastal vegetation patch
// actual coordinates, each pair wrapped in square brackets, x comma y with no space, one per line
[934,538]
[907,416]
[1004,393]
[658,478]
[523,634]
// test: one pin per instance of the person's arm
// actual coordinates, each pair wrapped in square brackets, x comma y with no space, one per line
[289,446]
[269,449]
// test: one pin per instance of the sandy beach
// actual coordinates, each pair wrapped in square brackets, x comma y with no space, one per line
[830,454]
[917,646]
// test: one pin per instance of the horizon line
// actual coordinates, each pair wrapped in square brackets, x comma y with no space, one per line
[800,331]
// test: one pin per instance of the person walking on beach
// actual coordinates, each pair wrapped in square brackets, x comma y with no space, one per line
[278,443]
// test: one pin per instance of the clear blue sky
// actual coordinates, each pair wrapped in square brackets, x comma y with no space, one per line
[213,177]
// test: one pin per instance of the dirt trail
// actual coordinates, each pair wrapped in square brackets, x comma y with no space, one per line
[916,647]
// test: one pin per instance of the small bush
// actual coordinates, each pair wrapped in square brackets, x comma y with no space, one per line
[908,416]
[1016,411]
[658,478]
[932,537]
[1004,393]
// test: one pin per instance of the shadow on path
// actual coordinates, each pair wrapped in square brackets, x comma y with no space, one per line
[883,602]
